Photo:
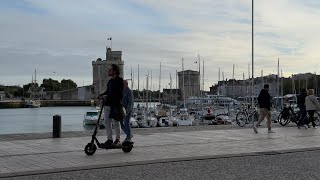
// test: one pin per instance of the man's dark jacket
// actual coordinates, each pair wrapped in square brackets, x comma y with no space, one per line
[301,100]
[264,99]
[114,98]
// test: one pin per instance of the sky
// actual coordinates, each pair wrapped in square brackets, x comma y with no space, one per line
[61,38]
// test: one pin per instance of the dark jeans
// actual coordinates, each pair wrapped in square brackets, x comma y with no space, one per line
[125,125]
[311,118]
[302,117]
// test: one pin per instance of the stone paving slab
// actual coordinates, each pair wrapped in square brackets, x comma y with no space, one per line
[23,157]
[45,135]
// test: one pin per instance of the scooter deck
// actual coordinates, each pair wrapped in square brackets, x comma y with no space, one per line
[120,146]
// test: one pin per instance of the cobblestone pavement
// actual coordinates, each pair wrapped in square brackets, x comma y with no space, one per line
[34,156]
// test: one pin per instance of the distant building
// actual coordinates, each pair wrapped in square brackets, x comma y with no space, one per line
[241,88]
[100,70]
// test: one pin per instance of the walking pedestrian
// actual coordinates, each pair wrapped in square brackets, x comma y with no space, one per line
[312,105]
[264,101]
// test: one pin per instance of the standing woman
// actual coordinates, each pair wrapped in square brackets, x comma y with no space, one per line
[312,105]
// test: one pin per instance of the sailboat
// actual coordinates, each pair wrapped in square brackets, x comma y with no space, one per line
[184,118]
[33,102]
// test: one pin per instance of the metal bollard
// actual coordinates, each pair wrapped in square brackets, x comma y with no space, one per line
[56,129]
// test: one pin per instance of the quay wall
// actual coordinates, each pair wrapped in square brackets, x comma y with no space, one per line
[45,103]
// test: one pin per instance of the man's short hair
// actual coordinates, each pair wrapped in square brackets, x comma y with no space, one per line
[266,86]
[116,69]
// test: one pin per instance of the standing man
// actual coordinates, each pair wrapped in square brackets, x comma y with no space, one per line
[265,106]
[112,99]
[127,102]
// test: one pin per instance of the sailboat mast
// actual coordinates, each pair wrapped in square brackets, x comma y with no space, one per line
[138,82]
[176,86]
[170,89]
[233,82]
[199,86]
[131,79]
[252,98]
[202,76]
[219,82]
[281,90]
[184,98]
[160,83]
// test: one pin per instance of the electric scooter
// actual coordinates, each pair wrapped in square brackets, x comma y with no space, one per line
[91,147]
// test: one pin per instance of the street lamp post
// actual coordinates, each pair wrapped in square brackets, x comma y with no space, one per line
[252,98]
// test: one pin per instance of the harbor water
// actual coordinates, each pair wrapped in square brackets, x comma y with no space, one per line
[38,120]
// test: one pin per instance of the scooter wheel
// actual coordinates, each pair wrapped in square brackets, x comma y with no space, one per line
[127,149]
[90,149]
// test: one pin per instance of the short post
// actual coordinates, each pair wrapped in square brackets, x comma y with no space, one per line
[56,129]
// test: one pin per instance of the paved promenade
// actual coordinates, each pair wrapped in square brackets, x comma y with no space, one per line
[25,157]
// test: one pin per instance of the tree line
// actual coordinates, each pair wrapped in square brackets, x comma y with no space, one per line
[47,85]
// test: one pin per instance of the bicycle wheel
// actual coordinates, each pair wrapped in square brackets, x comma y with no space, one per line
[241,119]
[317,118]
[294,118]
[283,121]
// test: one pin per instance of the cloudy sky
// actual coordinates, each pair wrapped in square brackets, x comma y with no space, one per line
[60,38]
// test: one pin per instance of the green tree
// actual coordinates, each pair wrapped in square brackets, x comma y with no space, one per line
[50,85]
[68,84]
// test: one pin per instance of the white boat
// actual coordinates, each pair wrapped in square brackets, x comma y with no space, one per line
[141,119]
[133,123]
[184,119]
[32,104]
[91,117]
[151,121]
[166,121]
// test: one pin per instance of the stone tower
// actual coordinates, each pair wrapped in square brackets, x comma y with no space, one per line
[100,70]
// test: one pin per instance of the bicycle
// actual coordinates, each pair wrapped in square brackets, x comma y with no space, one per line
[246,115]
[288,115]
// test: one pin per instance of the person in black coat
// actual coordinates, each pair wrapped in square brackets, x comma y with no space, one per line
[301,104]
[264,101]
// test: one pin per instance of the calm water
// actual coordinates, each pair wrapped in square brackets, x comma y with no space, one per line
[35,120]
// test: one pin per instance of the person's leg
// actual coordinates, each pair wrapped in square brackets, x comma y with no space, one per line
[303,117]
[126,125]
[107,122]
[123,127]
[311,113]
[262,115]
[268,114]
[116,126]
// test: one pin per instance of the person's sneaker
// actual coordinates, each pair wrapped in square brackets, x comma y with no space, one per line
[255,129]
[315,127]
[306,126]
[270,131]
[116,142]
[108,143]
[127,140]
